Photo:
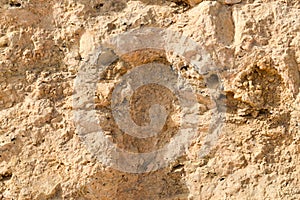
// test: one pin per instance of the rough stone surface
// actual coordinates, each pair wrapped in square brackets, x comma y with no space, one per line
[256,47]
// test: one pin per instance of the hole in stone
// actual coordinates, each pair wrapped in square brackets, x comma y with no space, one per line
[184,68]
[264,112]
[6,176]
[98,6]
[178,166]
[15,4]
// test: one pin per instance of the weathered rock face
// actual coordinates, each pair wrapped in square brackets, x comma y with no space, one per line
[255,45]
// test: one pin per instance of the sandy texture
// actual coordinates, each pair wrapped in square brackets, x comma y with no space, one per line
[255,45]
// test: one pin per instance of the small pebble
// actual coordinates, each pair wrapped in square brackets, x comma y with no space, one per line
[229,2]
[4,41]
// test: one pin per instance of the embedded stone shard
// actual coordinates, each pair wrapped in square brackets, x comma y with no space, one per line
[229,2]
[193,2]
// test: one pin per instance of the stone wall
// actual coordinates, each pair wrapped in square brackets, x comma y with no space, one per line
[255,47]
